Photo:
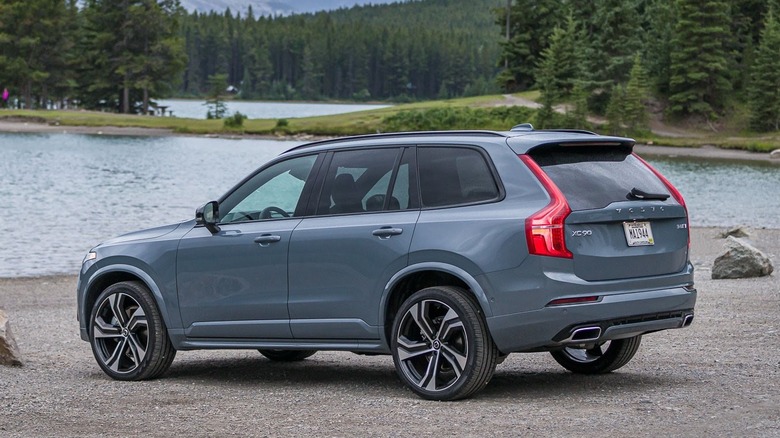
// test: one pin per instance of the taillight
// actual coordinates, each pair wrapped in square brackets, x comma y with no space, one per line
[673,190]
[544,230]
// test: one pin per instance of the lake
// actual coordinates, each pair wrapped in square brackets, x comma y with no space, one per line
[69,192]
[196,109]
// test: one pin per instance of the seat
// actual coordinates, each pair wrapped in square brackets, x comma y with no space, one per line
[345,195]
[377,202]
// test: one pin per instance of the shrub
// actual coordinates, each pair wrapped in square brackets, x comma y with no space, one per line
[235,121]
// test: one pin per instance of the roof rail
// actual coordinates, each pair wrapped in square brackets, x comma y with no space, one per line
[397,134]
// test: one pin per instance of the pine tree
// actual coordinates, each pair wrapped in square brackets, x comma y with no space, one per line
[131,52]
[615,111]
[616,39]
[699,77]
[215,103]
[579,114]
[764,93]
[531,23]
[660,16]
[33,45]
[633,103]
[560,67]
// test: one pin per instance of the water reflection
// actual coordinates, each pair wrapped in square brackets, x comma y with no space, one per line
[65,193]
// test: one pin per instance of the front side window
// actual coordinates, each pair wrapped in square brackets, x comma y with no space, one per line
[273,193]
[452,176]
[358,181]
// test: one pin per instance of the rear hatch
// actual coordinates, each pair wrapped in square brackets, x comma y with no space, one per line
[625,220]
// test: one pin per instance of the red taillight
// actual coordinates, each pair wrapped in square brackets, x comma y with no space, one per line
[673,190]
[544,229]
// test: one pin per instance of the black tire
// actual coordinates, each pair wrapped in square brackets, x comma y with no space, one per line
[128,336]
[599,359]
[441,346]
[287,355]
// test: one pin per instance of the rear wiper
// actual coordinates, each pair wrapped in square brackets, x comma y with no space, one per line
[635,193]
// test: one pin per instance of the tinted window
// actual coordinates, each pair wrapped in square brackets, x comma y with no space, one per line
[594,177]
[272,193]
[357,181]
[450,176]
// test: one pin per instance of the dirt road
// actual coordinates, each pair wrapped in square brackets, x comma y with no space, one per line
[720,377]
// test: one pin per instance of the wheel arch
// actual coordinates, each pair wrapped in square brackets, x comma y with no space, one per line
[413,278]
[113,274]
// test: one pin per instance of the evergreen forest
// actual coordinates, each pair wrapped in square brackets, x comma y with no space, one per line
[693,60]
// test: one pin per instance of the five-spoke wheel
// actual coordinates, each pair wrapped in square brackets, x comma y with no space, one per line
[441,346]
[128,337]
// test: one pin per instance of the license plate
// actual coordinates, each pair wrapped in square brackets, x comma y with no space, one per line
[638,233]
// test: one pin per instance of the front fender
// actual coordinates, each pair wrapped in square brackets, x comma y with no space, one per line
[170,315]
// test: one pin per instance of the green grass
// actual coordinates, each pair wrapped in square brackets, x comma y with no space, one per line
[438,114]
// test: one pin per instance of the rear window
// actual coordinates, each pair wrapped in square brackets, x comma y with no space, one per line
[594,177]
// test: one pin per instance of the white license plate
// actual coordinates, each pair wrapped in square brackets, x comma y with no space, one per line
[638,233]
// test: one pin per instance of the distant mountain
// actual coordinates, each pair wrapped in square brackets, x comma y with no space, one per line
[274,7]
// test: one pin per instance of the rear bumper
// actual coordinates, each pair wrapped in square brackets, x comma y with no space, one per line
[618,315]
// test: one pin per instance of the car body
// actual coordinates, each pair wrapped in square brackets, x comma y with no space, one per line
[448,250]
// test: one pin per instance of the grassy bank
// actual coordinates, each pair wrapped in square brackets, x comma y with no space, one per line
[482,112]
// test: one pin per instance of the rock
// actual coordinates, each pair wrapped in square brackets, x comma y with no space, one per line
[775,154]
[739,231]
[9,352]
[741,260]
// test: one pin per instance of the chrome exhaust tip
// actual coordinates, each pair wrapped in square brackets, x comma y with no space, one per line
[687,320]
[583,335]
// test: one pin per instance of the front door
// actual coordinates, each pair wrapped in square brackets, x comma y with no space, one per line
[233,283]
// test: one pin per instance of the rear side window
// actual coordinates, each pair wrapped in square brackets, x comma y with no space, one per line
[594,177]
[358,181]
[452,176]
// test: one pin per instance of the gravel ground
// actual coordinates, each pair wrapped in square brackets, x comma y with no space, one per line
[719,377]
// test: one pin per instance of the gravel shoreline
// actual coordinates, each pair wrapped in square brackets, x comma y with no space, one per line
[720,377]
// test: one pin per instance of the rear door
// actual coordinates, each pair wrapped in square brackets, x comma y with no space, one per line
[342,257]
[624,221]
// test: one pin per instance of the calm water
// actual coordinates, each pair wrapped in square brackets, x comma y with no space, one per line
[196,109]
[65,193]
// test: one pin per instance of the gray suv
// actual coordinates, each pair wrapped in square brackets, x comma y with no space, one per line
[446,250]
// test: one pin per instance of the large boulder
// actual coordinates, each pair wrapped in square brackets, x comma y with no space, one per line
[741,260]
[9,352]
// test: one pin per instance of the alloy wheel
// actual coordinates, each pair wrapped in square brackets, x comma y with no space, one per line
[120,333]
[432,345]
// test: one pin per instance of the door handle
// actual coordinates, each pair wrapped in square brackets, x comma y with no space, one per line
[267,238]
[386,232]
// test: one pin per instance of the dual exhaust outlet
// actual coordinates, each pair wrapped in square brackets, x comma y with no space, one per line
[584,335]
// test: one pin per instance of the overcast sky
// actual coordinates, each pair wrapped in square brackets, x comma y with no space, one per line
[274,7]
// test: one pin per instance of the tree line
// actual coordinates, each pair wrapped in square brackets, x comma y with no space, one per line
[115,54]
[407,51]
[121,54]
[697,59]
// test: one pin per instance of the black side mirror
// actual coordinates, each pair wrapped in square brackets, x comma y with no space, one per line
[208,215]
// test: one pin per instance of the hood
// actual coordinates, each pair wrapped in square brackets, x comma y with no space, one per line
[150,233]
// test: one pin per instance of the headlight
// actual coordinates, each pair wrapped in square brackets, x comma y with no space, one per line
[92,255]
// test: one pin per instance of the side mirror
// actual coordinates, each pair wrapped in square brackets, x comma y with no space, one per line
[208,215]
